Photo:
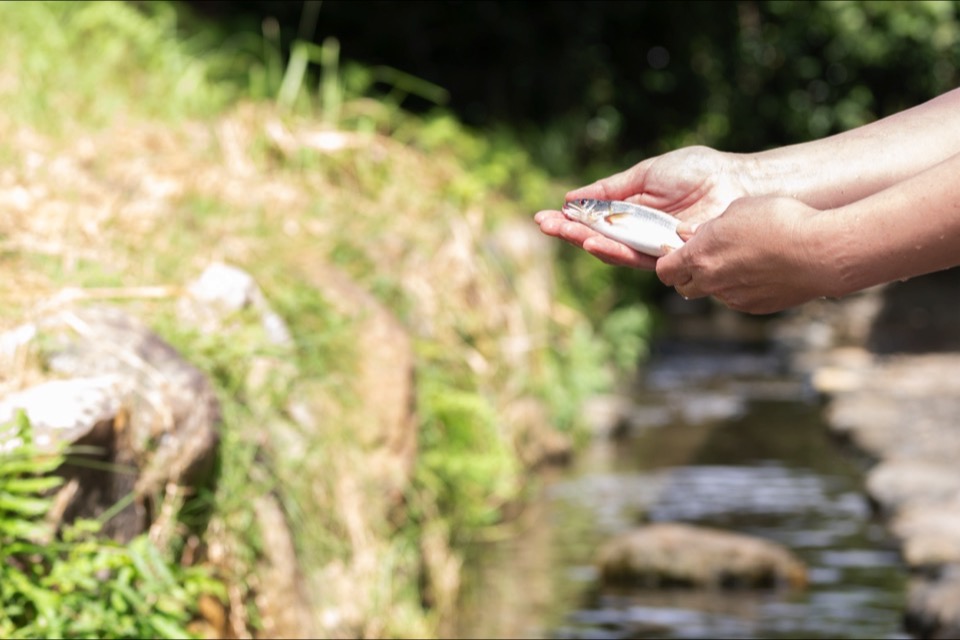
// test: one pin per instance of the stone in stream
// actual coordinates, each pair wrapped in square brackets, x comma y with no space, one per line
[895,483]
[933,605]
[930,534]
[680,555]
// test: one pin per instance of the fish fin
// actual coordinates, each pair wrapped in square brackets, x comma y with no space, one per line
[614,218]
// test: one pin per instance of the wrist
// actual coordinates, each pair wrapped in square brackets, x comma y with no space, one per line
[839,247]
[765,173]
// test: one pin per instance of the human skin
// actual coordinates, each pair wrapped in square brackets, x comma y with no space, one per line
[769,253]
[698,184]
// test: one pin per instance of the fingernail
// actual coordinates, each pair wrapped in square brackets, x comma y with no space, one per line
[686,230]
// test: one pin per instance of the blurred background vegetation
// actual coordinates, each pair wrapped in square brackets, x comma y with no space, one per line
[490,108]
[586,88]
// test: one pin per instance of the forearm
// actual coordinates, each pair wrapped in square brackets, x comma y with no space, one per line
[905,230]
[849,166]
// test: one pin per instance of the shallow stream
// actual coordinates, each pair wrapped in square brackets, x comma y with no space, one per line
[720,435]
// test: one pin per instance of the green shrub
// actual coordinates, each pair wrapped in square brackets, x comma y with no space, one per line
[77,585]
[465,462]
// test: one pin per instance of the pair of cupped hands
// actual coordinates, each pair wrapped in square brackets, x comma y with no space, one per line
[745,246]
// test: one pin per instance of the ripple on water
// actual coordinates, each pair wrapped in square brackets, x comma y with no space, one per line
[817,515]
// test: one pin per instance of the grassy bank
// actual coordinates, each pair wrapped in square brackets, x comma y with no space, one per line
[135,153]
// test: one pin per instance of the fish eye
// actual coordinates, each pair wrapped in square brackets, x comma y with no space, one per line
[583,202]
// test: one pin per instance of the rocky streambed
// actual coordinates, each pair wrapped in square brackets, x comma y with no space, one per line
[835,439]
[884,365]
[888,367]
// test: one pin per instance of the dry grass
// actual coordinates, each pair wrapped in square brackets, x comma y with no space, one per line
[102,201]
[131,213]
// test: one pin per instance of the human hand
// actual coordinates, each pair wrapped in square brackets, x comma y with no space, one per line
[695,184]
[763,255]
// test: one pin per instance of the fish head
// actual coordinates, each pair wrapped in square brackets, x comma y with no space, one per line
[586,210]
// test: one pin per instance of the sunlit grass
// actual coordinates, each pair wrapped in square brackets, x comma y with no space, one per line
[69,64]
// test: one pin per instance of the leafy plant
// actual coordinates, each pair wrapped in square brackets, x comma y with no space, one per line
[78,585]
[465,463]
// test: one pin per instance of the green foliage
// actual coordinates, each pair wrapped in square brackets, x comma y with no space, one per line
[626,331]
[591,87]
[74,65]
[465,463]
[497,163]
[577,368]
[80,586]
[69,63]
[21,484]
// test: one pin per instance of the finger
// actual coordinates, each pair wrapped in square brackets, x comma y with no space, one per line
[672,269]
[547,214]
[573,232]
[617,254]
[690,291]
[619,186]
[686,229]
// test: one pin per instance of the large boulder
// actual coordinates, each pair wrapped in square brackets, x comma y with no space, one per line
[680,555]
[147,417]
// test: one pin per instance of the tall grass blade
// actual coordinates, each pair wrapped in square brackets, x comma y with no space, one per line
[294,74]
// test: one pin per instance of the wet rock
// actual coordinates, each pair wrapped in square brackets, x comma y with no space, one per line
[902,408]
[918,316]
[821,326]
[930,533]
[891,484]
[842,370]
[933,605]
[613,415]
[668,554]
[897,399]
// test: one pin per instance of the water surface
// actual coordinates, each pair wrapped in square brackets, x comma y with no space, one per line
[722,438]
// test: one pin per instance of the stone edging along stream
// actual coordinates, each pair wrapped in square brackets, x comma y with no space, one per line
[887,363]
[903,411]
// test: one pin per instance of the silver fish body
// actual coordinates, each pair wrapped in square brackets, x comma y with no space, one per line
[645,229]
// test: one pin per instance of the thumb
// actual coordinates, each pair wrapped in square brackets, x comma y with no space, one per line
[619,186]
[671,268]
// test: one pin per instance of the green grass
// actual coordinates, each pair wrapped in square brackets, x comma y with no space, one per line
[70,64]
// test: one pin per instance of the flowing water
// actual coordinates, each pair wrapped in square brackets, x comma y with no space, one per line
[720,436]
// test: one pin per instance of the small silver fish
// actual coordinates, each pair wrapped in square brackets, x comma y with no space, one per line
[647,230]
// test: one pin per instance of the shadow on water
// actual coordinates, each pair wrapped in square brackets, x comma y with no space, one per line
[721,437]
